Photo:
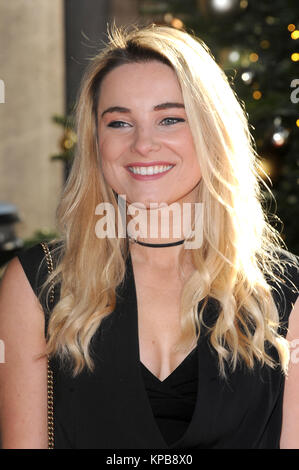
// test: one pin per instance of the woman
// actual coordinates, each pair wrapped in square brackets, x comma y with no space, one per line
[155,342]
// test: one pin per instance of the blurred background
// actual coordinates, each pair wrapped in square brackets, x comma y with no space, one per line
[47,44]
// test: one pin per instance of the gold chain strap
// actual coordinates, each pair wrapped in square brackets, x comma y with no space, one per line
[50,372]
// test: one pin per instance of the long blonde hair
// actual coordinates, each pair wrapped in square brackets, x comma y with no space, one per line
[239,244]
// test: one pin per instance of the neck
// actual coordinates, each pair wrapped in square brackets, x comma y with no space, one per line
[157,252]
[161,232]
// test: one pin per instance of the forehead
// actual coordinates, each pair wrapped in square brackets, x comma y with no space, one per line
[132,82]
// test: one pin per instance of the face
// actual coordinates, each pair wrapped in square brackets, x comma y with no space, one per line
[145,141]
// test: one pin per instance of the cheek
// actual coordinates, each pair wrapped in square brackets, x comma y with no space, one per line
[192,171]
[108,150]
[187,150]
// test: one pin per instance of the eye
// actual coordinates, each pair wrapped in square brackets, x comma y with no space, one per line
[118,124]
[169,121]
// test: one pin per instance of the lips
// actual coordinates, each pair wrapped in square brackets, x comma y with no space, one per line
[149,163]
[150,170]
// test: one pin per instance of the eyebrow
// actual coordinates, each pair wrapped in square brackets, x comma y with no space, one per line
[158,107]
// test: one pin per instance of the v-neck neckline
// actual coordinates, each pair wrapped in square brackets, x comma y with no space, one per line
[134,305]
[173,373]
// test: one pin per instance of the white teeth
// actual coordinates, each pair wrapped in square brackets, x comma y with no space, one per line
[149,170]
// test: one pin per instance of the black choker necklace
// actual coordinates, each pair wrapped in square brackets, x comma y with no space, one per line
[156,245]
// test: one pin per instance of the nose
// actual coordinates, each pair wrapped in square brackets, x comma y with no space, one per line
[145,141]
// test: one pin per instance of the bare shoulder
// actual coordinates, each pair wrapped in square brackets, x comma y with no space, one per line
[23,376]
[18,302]
[290,422]
[294,320]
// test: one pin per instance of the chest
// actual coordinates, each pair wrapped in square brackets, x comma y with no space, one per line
[159,319]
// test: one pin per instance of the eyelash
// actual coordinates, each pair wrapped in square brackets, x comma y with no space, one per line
[112,124]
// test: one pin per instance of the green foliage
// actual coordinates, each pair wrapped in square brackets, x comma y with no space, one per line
[68,140]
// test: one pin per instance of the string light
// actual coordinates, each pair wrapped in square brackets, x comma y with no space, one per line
[234,56]
[257,95]
[297,123]
[177,23]
[295,34]
[291,27]
[243,4]
[295,57]
[168,17]
[253,57]
[247,77]
[267,166]
[277,121]
[281,134]
[280,137]
[223,5]
[265,44]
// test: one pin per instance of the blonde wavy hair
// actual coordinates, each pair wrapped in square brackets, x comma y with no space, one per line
[239,244]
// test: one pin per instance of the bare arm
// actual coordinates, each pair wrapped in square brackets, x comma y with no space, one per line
[290,423]
[23,378]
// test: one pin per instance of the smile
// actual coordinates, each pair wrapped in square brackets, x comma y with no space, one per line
[149,170]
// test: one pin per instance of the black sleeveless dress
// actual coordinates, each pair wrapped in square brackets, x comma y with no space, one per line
[122,405]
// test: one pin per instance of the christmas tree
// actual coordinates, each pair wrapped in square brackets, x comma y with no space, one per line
[257,45]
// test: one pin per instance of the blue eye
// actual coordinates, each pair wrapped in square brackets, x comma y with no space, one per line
[171,121]
[166,121]
[117,124]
